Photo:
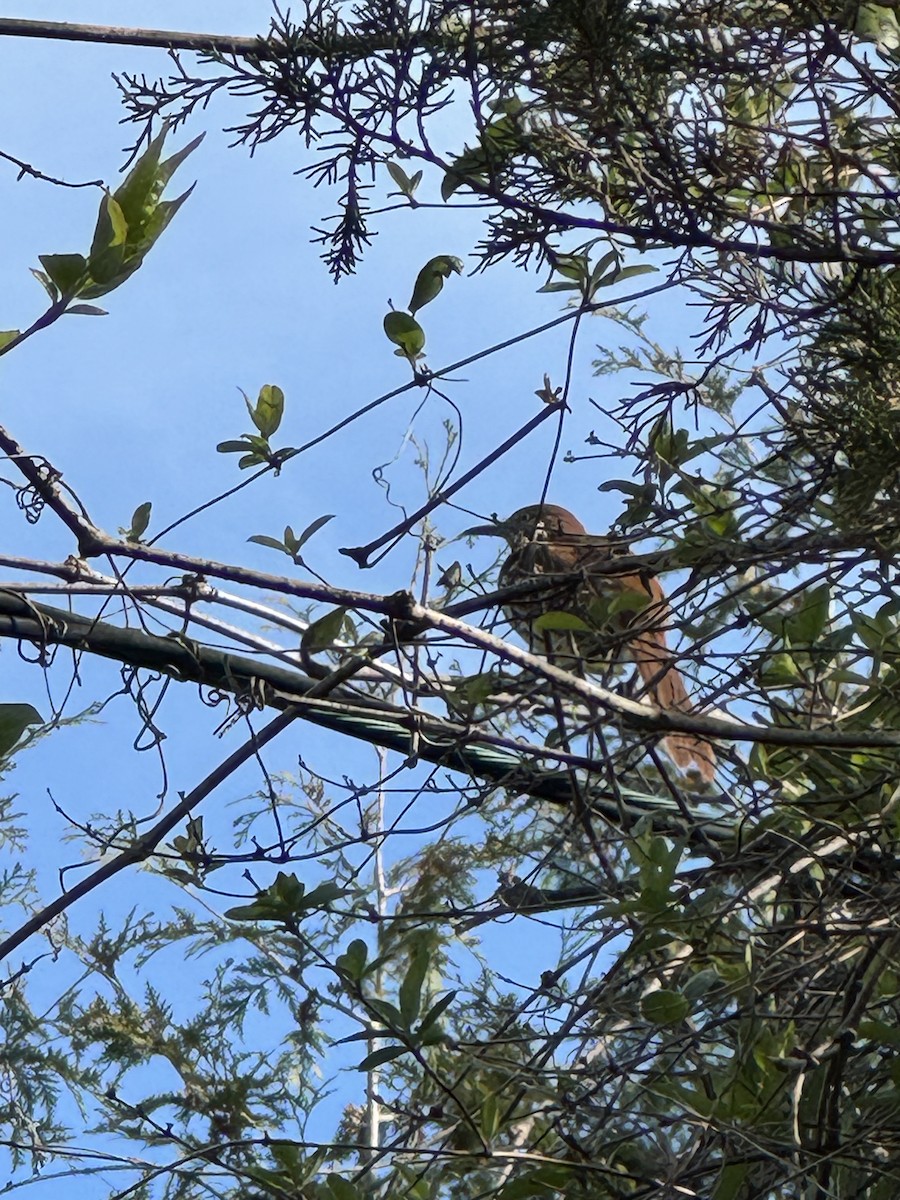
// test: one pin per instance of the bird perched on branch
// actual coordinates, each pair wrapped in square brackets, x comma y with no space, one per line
[586,602]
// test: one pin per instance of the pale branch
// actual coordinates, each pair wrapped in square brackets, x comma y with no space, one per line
[258,48]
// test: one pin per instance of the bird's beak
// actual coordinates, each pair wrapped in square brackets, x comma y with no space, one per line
[497,529]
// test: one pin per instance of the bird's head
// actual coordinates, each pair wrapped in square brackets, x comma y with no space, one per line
[533,523]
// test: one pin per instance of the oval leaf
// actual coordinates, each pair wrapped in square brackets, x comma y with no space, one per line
[269,409]
[322,634]
[431,278]
[405,331]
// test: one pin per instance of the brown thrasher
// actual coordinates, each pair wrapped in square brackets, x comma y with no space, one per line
[546,540]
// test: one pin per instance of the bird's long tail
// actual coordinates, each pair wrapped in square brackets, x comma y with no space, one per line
[665,687]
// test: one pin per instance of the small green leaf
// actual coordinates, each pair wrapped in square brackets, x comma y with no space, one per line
[780,671]
[325,894]
[399,176]
[559,286]
[262,539]
[629,601]
[353,961]
[169,166]
[805,626]
[267,414]
[323,633]
[379,1057]
[139,192]
[604,272]
[405,331]
[406,183]
[411,987]
[389,1014]
[86,310]
[631,272]
[7,336]
[232,447]
[14,720]
[283,901]
[431,278]
[341,1188]
[65,271]
[563,621]
[450,183]
[664,1007]
[313,527]
[110,233]
[140,519]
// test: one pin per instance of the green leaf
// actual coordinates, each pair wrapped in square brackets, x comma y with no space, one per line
[159,220]
[341,1188]
[110,232]
[490,1117]
[323,633]
[86,310]
[405,331]
[573,266]
[262,539]
[325,894]
[7,336]
[664,1007]
[379,1057]
[65,271]
[780,671]
[411,987]
[169,166]
[628,600]
[267,414]
[139,192]
[14,720]
[399,177]
[140,519]
[232,447]
[437,1010]
[455,179]
[312,527]
[389,1014]
[431,278]
[806,625]
[406,183]
[631,272]
[353,961]
[284,900]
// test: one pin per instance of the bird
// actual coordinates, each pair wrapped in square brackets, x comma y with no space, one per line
[587,607]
